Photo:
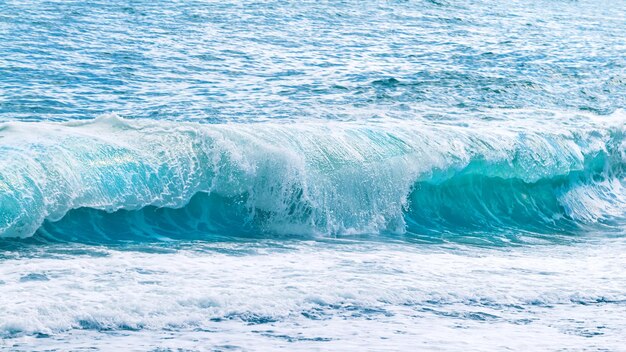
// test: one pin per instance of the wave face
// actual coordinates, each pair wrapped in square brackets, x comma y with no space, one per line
[113,178]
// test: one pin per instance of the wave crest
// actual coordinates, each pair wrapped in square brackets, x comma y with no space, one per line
[308,177]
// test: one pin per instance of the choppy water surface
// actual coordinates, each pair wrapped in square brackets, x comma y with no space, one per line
[203,175]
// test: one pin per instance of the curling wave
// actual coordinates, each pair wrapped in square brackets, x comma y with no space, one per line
[118,178]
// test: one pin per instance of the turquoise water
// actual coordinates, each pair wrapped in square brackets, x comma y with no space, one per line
[393,175]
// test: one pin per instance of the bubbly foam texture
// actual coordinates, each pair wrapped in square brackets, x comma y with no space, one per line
[303,295]
[376,176]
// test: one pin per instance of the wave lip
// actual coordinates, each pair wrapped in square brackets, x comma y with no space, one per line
[313,177]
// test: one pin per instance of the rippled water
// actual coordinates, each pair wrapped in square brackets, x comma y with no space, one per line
[216,61]
[372,175]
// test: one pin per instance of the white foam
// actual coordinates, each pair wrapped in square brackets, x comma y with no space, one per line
[319,295]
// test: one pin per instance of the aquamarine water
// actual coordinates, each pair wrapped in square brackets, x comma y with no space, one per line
[348,175]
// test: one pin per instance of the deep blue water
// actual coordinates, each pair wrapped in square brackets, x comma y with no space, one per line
[312,175]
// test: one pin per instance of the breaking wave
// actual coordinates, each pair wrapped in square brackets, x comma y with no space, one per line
[112,178]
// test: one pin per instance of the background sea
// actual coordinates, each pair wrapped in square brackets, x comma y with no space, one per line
[313,175]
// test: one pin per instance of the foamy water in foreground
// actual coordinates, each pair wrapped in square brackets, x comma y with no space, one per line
[304,295]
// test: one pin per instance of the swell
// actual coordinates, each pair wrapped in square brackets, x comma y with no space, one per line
[113,178]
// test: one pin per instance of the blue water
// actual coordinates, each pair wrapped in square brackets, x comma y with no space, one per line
[199,175]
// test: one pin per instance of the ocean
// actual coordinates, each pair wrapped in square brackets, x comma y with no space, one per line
[229,175]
